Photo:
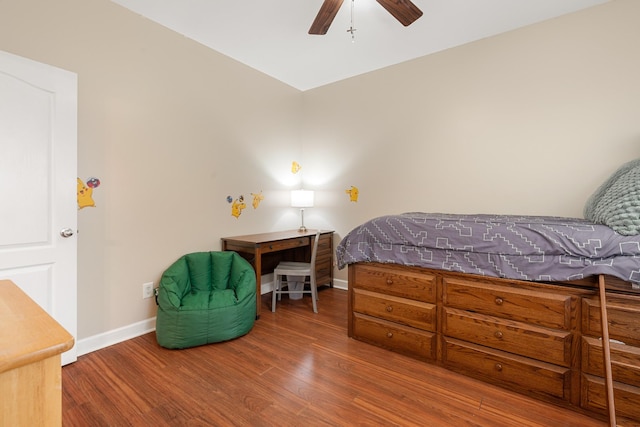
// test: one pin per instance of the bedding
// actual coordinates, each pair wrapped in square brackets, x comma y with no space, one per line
[534,248]
[616,202]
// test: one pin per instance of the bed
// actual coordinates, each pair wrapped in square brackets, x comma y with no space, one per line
[546,306]
[535,248]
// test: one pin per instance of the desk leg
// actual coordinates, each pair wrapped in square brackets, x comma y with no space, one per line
[258,267]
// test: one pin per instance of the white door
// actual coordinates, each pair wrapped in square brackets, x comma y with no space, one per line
[38,171]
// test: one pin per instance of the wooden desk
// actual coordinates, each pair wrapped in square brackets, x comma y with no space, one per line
[264,251]
[31,342]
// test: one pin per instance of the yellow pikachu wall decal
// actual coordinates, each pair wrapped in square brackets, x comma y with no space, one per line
[295,167]
[353,193]
[257,198]
[237,206]
[84,195]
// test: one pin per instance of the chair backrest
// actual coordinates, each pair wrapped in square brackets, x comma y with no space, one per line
[206,272]
[314,254]
[209,270]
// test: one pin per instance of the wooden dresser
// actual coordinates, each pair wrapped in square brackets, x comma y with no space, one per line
[30,375]
[534,338]
[514,335]
[394,310]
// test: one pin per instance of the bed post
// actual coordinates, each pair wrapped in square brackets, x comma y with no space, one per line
[606,351]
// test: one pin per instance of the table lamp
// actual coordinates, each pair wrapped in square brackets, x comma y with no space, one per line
[302,199]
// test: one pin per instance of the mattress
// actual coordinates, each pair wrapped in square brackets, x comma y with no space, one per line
[534,248]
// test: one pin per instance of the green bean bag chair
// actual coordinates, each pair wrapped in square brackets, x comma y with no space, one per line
[205,297]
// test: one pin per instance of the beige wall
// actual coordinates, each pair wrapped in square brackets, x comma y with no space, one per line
[171,129]
[526,122]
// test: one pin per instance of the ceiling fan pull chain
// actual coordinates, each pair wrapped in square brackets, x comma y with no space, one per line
[351,29]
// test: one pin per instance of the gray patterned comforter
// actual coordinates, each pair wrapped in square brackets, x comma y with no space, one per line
[535,248]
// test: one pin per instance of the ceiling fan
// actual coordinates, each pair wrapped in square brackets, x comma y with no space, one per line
[403,10]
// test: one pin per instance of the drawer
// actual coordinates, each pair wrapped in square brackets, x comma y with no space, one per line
[401,282]
[392,336]
[549,345]
[625,361]
[281,245]
[323,275]
[594,397]
[324,261]
[323,256]
[409,312]
[324,244]
[507,370]
[623,315]
[552,310]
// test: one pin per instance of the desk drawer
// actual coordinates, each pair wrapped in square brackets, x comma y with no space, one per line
[418,314]
[324,273]
[281,245]
[325,244]
[393,336]
[507,370]
[549,345]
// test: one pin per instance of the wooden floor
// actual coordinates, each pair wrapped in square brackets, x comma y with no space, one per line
[295,368]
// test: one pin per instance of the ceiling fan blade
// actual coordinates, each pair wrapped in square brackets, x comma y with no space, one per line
[325,16]
[403,10]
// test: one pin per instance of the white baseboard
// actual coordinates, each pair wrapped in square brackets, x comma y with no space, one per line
[105,339]
[268,286]
[341,284]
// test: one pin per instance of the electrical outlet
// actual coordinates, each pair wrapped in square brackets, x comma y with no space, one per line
[147,290]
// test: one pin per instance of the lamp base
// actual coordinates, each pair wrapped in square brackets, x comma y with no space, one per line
[302,228]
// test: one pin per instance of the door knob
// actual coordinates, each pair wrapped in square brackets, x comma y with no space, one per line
[66,232]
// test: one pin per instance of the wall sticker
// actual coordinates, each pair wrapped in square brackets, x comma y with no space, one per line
[353,193]
[237,206]
[85,192]
[257,198]
[295,167]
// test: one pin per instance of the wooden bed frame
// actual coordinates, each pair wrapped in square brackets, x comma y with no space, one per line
[549,340]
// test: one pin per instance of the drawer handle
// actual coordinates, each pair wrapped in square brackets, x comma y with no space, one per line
[389,334]
[389,309]
[498,334]
[498,367]
[389,281]
[499,301]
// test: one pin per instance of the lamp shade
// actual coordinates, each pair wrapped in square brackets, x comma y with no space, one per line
[302,199]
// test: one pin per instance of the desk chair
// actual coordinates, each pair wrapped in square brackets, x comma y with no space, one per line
[306,270]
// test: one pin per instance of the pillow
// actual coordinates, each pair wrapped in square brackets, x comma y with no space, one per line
[616,202]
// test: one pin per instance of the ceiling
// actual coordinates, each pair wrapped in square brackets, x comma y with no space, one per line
[271,35]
